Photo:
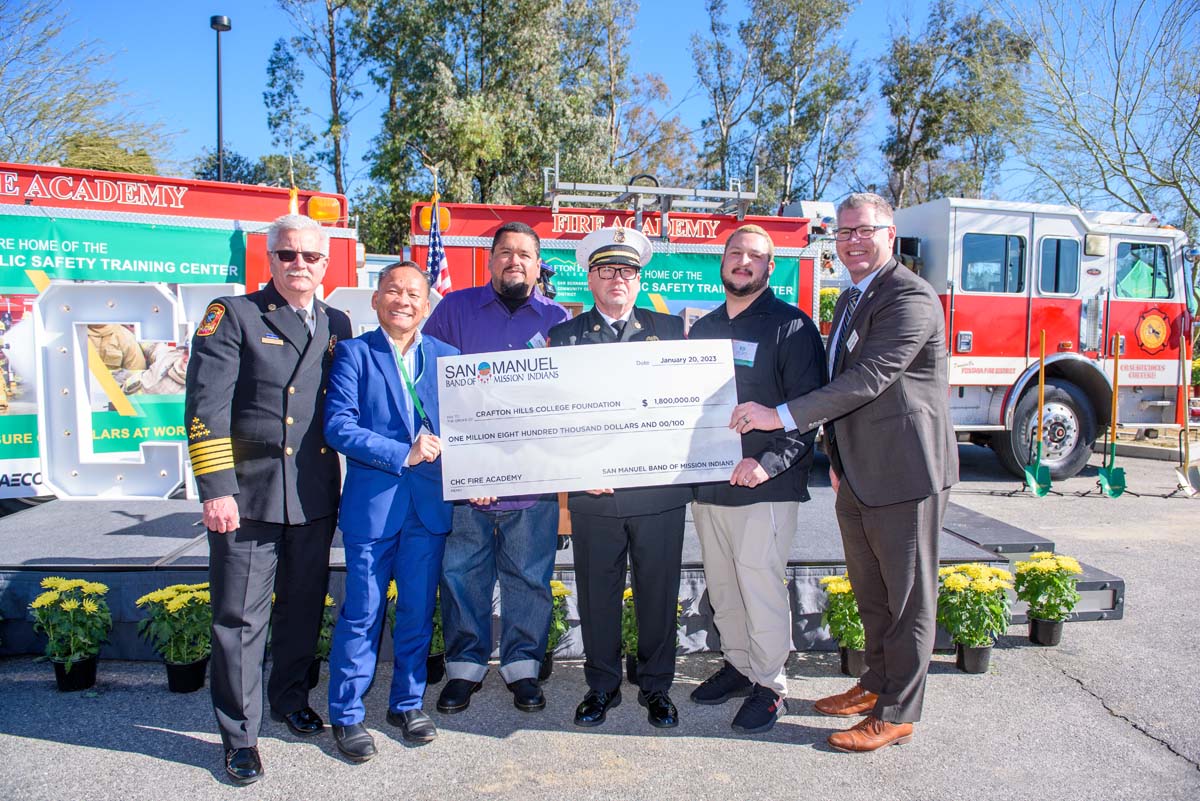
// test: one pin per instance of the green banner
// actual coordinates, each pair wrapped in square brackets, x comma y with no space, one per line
[102,250]
[19,437]
[159,419]
[682,280]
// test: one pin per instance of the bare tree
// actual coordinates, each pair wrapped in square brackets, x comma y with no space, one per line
[52,102]
[1115,117]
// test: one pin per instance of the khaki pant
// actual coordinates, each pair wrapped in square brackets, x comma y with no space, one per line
[745,550]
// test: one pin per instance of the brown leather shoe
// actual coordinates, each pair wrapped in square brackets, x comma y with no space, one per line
[855,701]
[871,733]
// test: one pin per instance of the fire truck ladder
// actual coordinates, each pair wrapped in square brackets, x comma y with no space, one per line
[643,197]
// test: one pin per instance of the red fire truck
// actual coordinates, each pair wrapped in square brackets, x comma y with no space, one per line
[1099,284]
[62,228]
[1004,271]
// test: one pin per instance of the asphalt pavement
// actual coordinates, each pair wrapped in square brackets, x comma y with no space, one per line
[1108,714]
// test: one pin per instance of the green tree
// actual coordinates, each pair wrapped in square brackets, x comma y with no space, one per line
[285,113]
[482,91]
[954,95]
[237,168]
[731,77]
[814,105]
[50,92]
[87,151]
[325,35]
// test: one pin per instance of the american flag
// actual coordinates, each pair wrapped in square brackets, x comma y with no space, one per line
[439,271]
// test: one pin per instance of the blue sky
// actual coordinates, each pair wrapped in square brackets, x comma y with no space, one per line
[164,55]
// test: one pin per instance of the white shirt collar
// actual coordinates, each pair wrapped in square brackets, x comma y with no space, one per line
[611,320]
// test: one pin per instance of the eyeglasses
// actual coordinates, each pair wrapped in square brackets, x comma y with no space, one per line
[628,273]
[862,232]
[288,256]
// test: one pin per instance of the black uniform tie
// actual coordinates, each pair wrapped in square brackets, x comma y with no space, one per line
[303,315]
[844,328]
[619,327]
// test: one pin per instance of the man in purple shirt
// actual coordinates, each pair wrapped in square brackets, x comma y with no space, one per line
[514,539]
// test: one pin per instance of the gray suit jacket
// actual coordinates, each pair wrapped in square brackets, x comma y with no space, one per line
[886,411]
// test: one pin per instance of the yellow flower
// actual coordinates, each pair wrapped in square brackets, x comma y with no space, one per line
[53,583]
[627,594]
[45,599]
[156,597]
[202,596]
[90,606]
[94,588]
[838,587]
[1069,564]
[956,582]
[329,600]
[73,584]
[1038,555]
[178,602]
[69,605]
[1025,567]
[974,571]
[947,570]
[558,589]
[392,592]
[827,580]
[1000,573]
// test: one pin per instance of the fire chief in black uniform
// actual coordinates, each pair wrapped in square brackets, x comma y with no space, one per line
[643,524]
[269,484]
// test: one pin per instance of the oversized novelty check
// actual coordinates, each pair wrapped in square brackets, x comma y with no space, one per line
[587,417]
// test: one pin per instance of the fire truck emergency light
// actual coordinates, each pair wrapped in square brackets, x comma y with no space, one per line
[324,209]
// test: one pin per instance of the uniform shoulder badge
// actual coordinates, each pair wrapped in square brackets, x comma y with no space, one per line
[333,340]
[212,318]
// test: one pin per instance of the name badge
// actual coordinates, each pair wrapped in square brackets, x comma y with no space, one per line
[538,341]
[272,340]
[852,340]
[424,431]
[743,352]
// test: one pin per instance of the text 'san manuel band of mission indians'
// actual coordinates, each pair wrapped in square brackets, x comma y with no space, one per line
[637,414]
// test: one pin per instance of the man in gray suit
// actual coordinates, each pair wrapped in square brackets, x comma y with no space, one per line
[893,460]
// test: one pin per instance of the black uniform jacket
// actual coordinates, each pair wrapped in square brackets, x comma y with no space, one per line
[590,328]
[788,361]
[255,407]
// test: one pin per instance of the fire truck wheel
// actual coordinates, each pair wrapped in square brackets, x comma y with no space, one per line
[1068,431]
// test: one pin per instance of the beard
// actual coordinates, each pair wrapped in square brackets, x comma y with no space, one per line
[513,288]
[754,285]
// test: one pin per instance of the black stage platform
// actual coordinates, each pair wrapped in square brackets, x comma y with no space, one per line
[139,546]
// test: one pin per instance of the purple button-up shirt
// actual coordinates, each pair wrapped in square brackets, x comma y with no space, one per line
[476,321]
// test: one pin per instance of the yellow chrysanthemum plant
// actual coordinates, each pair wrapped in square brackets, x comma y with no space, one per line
[178,622]
[1046,581]
[74,616]
[973,603]
[559,626]
[841,613]
[325,635]
[437,643]
[629,626]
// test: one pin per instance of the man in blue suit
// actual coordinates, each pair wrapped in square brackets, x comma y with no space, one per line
[381,412]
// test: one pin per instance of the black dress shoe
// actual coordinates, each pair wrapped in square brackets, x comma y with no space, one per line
[415,725]
[661,713]
[303,722]
[456,695]
[527,695]
[354,741]
[243,765]
[595,706]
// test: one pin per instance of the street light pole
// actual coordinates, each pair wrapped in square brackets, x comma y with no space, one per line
[218,24]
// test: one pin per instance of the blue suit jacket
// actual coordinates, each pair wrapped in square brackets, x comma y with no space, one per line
[364,419]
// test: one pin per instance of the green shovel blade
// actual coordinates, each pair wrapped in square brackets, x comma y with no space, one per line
[1037,475]
[1112,479]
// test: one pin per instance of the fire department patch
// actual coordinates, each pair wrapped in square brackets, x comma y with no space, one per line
[1152,330]
[212,318]
[332,343]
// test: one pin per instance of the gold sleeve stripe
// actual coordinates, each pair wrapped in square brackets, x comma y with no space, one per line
[203,471]
[211,445]
[211,460]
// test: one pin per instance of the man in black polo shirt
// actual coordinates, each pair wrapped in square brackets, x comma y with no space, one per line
[746,525]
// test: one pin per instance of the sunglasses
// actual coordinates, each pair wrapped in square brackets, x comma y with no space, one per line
[287,256]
